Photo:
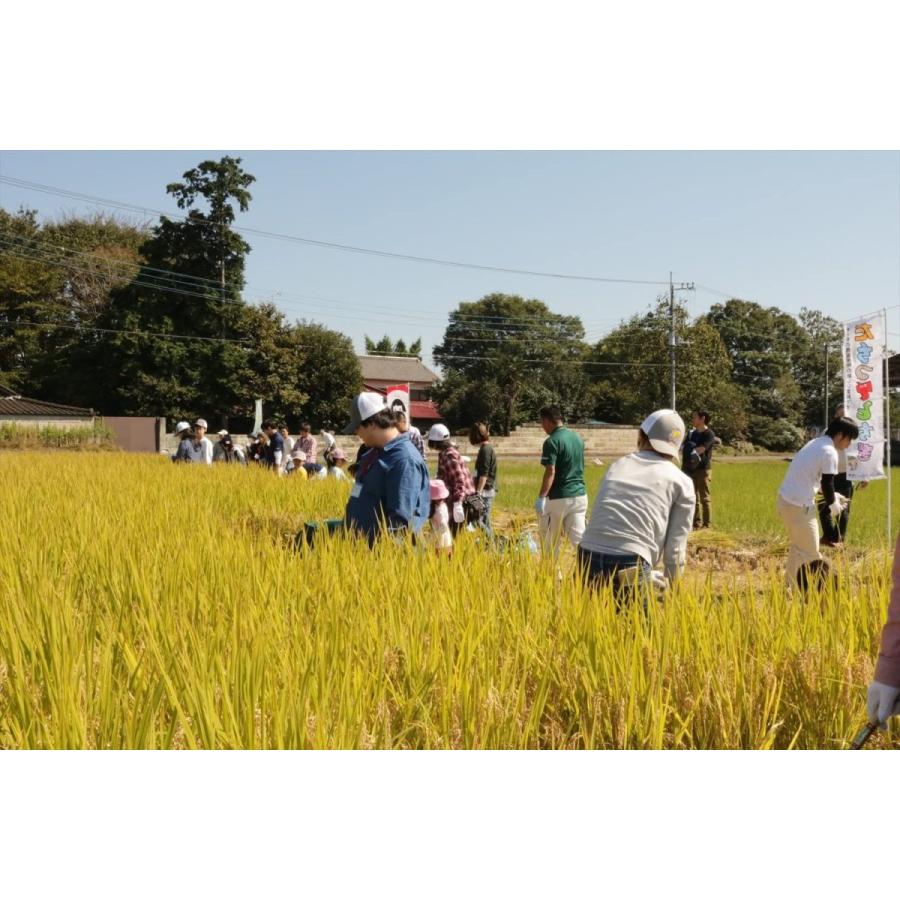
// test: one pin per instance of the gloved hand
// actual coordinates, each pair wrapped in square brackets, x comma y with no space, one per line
[882,702]
[540,505]
[839,505]
[459,515]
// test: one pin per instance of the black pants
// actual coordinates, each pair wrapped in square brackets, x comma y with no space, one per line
[830,531]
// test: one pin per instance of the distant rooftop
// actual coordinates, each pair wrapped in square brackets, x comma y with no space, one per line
[13,404]
[399,369]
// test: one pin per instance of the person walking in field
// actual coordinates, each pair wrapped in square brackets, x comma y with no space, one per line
[485,471]
[225,452]
[391,489]
[273,454]
[561,505]
[643,511]
[813,468]
[198,449]
[439,517]
[182,433]
[834,530]
[883,699]
[452,470]
[697,463]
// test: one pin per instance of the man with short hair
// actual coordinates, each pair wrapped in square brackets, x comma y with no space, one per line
[700,441]
[391,490]
[273,454]
[199,448]
[812,469]
[835,530]
[307,443]
[562,500]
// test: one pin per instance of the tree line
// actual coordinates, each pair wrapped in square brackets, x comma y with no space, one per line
[149,319]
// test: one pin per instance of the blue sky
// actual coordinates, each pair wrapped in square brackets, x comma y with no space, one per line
[790,229]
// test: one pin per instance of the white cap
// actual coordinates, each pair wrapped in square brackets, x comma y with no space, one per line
[182,426]
[201,423]
[364,406]
[438,433]
[222,432]
[298,454]
[665,431]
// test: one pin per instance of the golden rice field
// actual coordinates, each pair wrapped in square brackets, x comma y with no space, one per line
[144,605]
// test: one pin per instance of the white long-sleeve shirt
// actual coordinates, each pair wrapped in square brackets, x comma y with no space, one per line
[645,505]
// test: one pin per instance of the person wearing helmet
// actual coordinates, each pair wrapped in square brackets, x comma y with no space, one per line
[644,510]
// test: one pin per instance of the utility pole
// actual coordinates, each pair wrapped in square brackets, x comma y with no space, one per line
[826,385]
[683,286]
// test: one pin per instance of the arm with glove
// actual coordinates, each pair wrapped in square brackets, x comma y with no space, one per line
[836,503]
[884,692]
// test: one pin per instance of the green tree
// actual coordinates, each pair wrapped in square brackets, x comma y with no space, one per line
[631,372]
[765,345]
[153,369]
[59,275]
[504,357]
[388,347]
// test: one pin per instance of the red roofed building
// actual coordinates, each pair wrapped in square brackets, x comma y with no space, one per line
[382,372]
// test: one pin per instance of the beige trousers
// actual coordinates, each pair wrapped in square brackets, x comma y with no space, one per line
[562,517]
[802,525]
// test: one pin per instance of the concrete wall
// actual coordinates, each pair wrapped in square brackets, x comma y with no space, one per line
[607,442]
[41,421]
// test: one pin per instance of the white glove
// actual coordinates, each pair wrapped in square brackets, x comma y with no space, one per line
[540,505]
[839,505]
[882,702]
[459,515]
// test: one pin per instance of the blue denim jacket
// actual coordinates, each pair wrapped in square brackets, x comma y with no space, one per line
[392,485]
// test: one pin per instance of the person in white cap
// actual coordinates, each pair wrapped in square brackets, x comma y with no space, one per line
[561,505]
[644,508]
[197,450]
[391,488]
[812,469]
[294,466]
[225,451]
[454,473]
[182,433]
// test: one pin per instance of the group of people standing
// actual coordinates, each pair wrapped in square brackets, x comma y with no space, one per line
[271,447]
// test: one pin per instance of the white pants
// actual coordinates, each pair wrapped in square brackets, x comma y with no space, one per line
[802,523]
[562,517]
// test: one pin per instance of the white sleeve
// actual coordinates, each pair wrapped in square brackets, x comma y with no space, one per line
[681,519]
[278,456]
[830,462]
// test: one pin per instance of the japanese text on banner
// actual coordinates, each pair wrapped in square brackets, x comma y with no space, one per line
[864,350]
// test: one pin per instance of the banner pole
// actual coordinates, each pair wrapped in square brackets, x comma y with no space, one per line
[887,426]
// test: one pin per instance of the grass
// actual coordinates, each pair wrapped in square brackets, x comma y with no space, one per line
[149,605]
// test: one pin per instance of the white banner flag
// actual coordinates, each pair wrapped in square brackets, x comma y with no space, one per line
[397,400]
[864,352]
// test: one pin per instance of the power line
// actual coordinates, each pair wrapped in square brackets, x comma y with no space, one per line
[330,245]
[19,323]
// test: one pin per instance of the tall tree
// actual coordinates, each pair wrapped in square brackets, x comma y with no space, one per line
[504,356]
[388,347]
[631,372]
[152,373]
[764,345]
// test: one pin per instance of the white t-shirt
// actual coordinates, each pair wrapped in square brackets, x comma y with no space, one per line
[817,458]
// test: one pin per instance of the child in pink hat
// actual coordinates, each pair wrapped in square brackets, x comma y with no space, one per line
[440,517]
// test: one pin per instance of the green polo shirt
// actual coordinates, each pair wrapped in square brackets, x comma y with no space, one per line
[565,450]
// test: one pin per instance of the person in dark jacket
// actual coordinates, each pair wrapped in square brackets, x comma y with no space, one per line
[485,470]
[391,490]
